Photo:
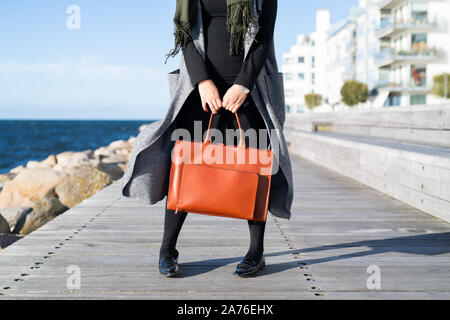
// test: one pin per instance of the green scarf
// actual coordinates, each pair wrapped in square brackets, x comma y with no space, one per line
[239,17]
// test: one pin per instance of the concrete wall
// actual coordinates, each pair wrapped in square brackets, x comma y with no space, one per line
[423,123]
[414,174]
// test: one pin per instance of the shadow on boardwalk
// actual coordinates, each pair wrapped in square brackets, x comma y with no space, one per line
[432,244]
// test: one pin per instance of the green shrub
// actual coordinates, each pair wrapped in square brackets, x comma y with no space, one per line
[439,85]
[354,92]
[313,100]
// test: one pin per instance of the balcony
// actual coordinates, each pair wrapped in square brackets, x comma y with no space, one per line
[389,29]
[389,4]
[350,46]
[388,56]
[406,86]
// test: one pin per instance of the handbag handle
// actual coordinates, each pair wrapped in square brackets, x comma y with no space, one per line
[241,143]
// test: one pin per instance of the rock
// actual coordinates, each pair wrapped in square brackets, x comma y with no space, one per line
[5,178]
[94,162]
[50,161]
[115,158]
[30,186]
[4,226]
[119,144]
[70,160]
[84,181]
[131,140]
[47,163]
[43,211]
[37,164]
[122,152]
[15,216]
[103,151]
[144,126]
[17,169]
[64,157]
[113,169]
[89,153]
[123,155]
[122,166]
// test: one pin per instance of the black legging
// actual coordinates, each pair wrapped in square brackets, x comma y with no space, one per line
[249,117]
[172,227]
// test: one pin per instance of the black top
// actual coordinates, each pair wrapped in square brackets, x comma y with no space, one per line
[219,66]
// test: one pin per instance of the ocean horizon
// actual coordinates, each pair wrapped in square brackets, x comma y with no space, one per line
[22,140]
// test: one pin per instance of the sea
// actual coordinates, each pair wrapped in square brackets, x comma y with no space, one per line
[24,140]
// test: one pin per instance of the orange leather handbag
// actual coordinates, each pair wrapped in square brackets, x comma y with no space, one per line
[222,180]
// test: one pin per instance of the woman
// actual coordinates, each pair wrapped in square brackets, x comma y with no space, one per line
[226,45]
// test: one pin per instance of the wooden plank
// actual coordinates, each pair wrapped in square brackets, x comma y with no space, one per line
[339,227]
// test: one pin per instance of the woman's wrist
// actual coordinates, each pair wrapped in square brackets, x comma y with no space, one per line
[244,89]
[204,82]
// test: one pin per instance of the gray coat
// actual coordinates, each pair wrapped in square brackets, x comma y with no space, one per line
[147,174]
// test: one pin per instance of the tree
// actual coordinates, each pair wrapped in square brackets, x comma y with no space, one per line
[354,92]
[313,100]
[439,83]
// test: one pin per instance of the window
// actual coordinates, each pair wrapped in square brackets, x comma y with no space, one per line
[418,99]
[418,76]
[313,78]
[288,76]
[313,62]
[301,76]
[419,42]
[393,100]
[301,59]
[289,92]
[288,108]
[419,12]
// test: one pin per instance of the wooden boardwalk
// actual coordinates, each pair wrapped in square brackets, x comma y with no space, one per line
[339,229]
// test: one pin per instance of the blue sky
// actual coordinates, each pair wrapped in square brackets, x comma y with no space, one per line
[113,66]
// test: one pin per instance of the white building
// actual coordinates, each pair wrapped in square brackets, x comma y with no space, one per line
[304,67]
[393,46]
[414,44]
[340,60]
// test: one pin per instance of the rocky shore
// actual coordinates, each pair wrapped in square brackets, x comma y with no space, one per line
[34,194]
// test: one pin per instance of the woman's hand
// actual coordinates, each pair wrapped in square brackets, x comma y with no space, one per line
[209,95]
[234,98]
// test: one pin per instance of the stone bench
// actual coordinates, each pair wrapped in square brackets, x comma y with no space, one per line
[416,174]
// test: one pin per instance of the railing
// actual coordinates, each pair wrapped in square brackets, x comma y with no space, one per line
[407,84]
[389,54]
[351,45]
[387,25]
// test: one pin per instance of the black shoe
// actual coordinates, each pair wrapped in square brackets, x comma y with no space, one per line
[248,267]
[168,265]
